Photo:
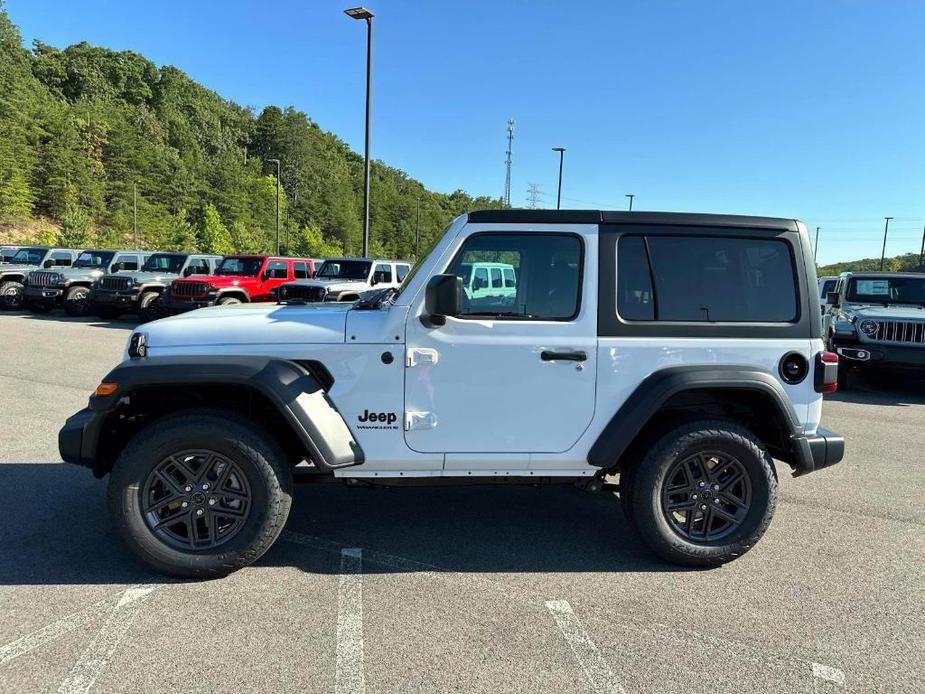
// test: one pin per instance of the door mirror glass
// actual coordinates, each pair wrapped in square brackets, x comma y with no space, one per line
[442,298]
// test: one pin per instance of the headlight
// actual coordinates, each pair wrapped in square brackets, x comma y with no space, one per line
[868,327]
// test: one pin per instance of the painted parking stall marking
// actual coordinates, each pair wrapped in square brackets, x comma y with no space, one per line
[350,677]
[586,652]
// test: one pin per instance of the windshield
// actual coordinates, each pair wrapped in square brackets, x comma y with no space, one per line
[344,270]
[241,267]
[94,259]
[29,256]
[165,262]
[886,290]
[419,263]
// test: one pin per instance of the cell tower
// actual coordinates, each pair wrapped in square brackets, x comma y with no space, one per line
[533,195]
[507,161]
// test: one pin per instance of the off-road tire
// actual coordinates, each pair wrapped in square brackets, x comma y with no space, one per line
[148,307]
[649,477]
[228,301]
[230,435]
[11,295]
[77,301]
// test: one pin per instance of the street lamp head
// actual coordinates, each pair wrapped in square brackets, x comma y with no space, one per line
[359,13]
[558,149]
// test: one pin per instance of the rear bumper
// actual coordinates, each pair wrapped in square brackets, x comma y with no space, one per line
[817,451]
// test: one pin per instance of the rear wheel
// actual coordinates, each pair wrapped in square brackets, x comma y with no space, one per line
[11,295]
[77,301]
[704,494]
[200,494]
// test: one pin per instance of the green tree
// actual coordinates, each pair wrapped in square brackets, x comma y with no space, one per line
[75,227]
[213,235]
[15,195]
[310,242]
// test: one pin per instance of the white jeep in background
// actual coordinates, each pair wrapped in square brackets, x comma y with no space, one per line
[681,352]
[346,279]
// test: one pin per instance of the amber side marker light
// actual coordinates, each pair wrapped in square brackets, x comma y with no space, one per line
[104,389]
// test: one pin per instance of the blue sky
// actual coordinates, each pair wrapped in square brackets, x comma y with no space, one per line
[811,109]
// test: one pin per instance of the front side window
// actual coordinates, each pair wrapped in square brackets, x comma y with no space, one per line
[827,286]
[547,268]
[62,258]
[129,262]
[165,262]
[384,273]
[277,270]
[198,266]
[300,270]
[401,271]
[706,279]
[94,259]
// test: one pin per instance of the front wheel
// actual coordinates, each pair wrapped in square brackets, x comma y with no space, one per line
[77,301]
[704,494]
[228,301]
[11,295]
[200,494]
[149,308]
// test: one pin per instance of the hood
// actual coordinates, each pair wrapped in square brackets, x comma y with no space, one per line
[891,312]
[142,277]
[332,285]
[220,327]
[220,280]
[10,267]
[69,273]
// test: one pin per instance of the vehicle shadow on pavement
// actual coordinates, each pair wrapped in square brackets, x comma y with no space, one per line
[126,322]
[899,391]
[56,530]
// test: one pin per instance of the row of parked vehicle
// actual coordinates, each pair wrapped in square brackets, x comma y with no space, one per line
[154,284]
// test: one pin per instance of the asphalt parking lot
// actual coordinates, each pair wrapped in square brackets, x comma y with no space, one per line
[456,589]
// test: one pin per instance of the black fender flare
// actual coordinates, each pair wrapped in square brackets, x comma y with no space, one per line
[292,388]
[236,291]
[658,387]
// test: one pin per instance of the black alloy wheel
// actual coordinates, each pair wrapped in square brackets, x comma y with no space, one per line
[195,500]
[706,496]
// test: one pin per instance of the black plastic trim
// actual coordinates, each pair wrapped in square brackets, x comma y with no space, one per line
[623,217]
[824,448]
[658,387]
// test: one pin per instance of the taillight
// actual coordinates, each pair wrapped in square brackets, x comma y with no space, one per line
[826,377]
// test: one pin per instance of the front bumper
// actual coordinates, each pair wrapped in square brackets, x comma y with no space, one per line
[879,356]
[79,437]
[817,451]
[176,305]
[110,298]
[48,295]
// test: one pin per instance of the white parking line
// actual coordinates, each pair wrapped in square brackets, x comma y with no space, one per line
[589,657]
[98,653]
[53,631]
[350,677]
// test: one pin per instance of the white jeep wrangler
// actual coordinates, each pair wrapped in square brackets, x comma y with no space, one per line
[345,279]
[681,352]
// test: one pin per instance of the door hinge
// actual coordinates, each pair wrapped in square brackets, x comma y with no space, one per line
[420,420]
[421,357]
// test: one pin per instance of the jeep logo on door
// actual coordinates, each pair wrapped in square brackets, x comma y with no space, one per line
[377,420]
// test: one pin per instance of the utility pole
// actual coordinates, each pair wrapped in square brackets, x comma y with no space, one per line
[922,252]
[507,162]
[886,228]
[561,151]
[816,244]
[135,214]
[417,232]
[363,14]
[533,195]
[276,161]
[630,196]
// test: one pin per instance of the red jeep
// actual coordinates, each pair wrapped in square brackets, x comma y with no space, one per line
[239,279]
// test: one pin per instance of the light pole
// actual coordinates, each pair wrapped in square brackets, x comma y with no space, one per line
[630,196]
[886,228]
[135,214]
[561,151]
[276,161]
[816,244]
[363,13]
[417,232]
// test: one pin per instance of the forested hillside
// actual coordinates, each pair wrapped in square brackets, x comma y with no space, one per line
[908,262]
[80,126]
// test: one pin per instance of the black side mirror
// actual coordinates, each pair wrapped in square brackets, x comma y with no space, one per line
[48,263]
[116,267]
[831,298]
[267,274]
[442,298]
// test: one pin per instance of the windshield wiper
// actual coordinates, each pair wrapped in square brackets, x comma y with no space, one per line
[376,300]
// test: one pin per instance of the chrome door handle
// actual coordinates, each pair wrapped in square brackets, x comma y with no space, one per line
[546,355]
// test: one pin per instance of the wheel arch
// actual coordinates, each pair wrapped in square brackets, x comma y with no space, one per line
[236,292]
[288,399]
[667,398]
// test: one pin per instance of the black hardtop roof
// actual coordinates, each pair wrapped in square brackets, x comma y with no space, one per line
[866,274]
[624,217]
